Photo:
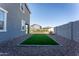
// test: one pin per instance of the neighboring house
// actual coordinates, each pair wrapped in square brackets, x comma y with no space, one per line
[36,26]
[50,29]
[14,20]
[37,29]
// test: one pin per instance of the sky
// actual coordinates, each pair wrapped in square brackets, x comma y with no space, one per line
[53,14]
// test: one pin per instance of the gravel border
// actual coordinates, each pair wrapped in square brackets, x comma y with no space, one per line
[15,50]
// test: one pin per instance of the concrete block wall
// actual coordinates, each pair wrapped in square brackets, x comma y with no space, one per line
[69,30]
[64,30]
[76,31]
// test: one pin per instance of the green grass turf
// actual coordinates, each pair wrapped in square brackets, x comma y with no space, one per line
[39,39]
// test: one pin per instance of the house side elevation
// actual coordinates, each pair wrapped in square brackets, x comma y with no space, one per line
[14,20]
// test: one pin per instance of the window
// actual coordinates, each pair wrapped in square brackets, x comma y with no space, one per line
[3,18]
[26,26]
[22,7]
[22,25]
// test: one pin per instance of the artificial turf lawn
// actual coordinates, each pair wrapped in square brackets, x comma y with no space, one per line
[39,39]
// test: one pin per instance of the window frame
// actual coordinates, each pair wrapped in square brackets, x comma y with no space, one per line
[26,28]
[22,24]
[5,20]
[22,8]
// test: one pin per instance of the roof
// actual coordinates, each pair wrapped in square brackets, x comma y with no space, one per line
[35,24]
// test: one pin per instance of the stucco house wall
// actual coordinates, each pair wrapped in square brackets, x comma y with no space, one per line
[14,17]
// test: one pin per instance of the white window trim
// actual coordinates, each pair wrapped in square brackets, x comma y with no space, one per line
[20,6]
[21,25]
[5,20]
[23,8]
[26,29]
